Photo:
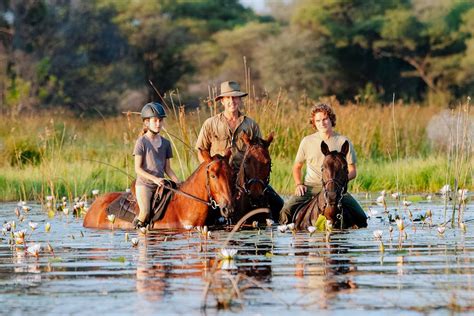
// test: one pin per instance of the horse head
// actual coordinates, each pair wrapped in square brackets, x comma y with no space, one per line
[253,177]
[219,182]
[335,176]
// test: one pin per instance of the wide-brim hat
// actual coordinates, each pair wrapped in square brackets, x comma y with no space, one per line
[230,89]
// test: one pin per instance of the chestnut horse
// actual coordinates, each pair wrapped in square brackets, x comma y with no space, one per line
[210,185]
[328,202]
[253,177]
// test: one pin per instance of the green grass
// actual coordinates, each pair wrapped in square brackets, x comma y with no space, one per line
[64,155]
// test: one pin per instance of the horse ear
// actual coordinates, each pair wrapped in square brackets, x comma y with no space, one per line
[205,155]
[269,139]
[345,148]
[246,139]
[325,149]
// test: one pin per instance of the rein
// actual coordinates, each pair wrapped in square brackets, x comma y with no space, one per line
[212,203]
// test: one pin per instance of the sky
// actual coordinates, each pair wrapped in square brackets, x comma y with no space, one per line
[257,5]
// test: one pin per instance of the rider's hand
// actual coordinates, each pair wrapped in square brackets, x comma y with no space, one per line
[159,181]
[300,190]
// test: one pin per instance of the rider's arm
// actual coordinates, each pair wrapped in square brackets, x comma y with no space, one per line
[204,142]
[142,173]
[300,188]
[169,171]
[352,171]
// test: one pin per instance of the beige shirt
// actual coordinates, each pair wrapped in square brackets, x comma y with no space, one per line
[310,152]
[216,136]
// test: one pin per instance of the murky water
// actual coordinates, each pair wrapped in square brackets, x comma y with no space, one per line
[99,272]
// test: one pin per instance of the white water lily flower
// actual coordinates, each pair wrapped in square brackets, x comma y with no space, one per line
[396,195]
[95,192]
[270,222]
[33,225]
[34,249]
[49,198]
[228,264]
[445,189]
[47,227]
[371,212]
[380,200]
[64,199]
[406,203]
[462,194]
[134,242]
[400,224]
[429,198]
[329,225]
[378,234]
[7,226]
[282,228]
[228,253]
[441,229]
[111,218]
[291,226]
[311,229]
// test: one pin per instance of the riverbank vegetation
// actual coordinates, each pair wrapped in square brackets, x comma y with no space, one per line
[62,154]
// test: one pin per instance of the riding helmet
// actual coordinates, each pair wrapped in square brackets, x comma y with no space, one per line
[153,109]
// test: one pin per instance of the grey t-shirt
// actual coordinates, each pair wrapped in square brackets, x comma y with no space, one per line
[310,152]
[154,156]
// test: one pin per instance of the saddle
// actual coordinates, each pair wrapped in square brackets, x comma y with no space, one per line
[125,205]
[304,213]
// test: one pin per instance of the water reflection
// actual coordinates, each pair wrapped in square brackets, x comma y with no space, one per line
[326,268]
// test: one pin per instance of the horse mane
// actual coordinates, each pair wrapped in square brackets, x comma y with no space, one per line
[195,173]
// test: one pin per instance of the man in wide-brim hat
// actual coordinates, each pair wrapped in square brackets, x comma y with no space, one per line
[224,130]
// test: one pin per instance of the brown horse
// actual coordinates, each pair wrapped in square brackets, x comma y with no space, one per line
[253,177]
[210,184]
[328,202]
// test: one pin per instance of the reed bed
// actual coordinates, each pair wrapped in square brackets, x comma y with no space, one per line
[58,153]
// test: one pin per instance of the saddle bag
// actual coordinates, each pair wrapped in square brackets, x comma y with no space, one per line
[123,207]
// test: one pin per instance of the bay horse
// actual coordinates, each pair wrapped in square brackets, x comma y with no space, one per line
[253,177]
[210,184]
[328,202]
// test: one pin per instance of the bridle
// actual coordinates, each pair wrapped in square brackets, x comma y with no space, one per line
[243,183]
[210,202]
[340,190]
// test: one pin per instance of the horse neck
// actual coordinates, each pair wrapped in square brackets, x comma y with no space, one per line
[196,184]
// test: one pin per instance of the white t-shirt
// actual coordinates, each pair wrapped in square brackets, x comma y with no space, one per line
[310,152]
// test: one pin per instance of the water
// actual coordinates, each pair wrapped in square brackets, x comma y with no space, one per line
[99,272]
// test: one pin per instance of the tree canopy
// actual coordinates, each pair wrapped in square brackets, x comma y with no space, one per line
[98,55]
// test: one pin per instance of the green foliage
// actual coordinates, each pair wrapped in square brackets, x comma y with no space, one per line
[21,152]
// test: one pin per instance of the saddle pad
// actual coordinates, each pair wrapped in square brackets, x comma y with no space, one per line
[304,213]
[123,207]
